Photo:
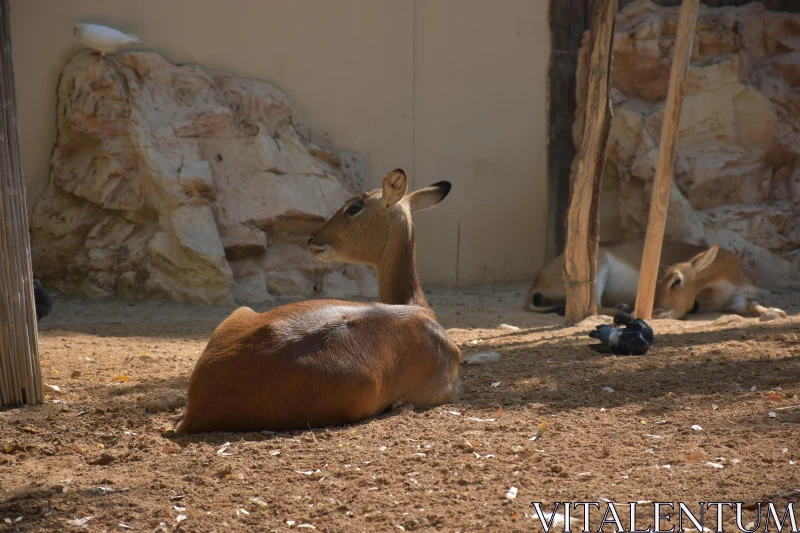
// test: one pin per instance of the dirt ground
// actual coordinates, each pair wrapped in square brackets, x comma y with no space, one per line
[618,428]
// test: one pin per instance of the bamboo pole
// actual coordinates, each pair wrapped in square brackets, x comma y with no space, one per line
[20,372]
[682,54]
[582,223]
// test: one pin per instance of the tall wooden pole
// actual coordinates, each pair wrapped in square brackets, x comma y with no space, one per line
[583,223]
[20,373]
[682,54]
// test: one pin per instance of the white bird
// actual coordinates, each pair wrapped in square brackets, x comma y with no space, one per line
[102,38]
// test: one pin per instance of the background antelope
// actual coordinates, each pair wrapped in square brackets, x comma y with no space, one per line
[692,278]
[328,362]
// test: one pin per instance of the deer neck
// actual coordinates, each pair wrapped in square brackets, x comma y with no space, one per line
[704,279]
[396,271]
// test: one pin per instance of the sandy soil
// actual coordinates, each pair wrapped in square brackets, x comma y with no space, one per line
[93,451]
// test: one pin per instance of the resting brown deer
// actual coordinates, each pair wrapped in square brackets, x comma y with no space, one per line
[692,278]
[329,362]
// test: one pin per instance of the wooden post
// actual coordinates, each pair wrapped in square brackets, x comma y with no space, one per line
[582,223]
[682,54]
[20,373]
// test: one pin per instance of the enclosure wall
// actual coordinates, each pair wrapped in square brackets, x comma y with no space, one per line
[452,89]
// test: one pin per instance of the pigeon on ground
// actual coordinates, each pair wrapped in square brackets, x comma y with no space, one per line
[103,39]
[635,324]
[41,300]
[635,338]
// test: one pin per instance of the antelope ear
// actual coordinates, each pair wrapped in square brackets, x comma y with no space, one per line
[429,196]
[395,185]
[703,260]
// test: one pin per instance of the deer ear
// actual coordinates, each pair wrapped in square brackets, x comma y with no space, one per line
[703,260]
[429,196]
[395,185]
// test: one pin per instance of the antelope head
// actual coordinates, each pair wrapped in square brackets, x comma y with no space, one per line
[374,226]
[678,287]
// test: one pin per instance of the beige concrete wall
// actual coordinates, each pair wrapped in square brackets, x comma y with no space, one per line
[446,89]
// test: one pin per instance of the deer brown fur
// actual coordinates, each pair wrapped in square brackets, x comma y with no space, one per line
[329,362]
[691,278]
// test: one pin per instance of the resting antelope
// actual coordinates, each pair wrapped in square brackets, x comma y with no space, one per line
[328,362]
[692,278]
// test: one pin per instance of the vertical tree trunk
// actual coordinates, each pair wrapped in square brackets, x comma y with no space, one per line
[682,54]
[20,373]
[583,223]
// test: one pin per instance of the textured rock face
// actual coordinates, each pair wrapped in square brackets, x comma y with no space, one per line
[737,171]
[176,182]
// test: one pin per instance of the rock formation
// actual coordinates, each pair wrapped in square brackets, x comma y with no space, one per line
[177,182]
[737,172]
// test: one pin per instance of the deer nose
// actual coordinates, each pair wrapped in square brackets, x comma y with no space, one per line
[310,240]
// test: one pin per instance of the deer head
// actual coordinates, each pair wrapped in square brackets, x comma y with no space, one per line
[677,289]
[375,223]
[375,228]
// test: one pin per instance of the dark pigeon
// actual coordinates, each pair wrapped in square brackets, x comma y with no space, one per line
[42,300]
[635,338]
[635,324]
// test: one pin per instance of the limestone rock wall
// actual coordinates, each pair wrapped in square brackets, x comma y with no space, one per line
[737,171]
[177,182]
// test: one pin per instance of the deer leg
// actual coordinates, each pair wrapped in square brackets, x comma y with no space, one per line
[613,311]
[402,405]
[753,307]
[745,306]
[739,305]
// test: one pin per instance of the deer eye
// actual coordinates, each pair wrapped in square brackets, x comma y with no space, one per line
[353,209]
[677,283]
